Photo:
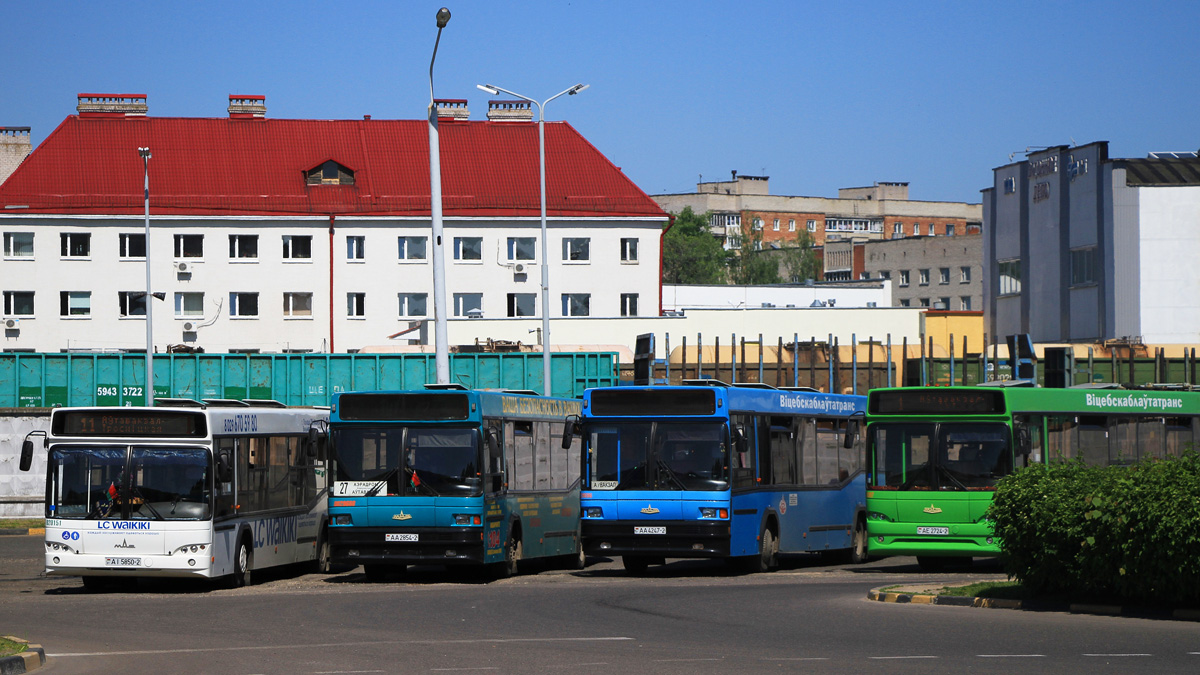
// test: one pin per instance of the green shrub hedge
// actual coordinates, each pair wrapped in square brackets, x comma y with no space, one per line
[1119,533]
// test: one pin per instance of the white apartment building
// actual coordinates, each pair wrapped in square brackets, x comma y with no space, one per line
[305,235]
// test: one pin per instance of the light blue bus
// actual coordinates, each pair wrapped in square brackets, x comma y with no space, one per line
[709,470]
[452,476]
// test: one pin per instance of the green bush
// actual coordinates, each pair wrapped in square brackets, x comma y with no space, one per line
[1119,533]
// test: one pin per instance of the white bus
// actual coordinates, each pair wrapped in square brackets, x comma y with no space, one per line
[187,489]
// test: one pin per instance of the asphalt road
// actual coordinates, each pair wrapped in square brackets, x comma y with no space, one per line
[688,617]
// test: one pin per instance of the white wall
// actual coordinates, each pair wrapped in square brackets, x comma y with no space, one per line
[1169,296]
[678,296]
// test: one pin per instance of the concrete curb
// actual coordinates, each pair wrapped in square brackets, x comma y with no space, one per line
[32,658]
[993,603]
[23,532]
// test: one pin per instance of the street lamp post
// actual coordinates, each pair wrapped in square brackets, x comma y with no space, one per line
[144,153]
[441,349]
[494,90]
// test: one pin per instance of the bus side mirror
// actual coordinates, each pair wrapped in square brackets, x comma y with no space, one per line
[851,432]
[1024,441]
[224,467]
[26,454]
[570,429]
[739,436]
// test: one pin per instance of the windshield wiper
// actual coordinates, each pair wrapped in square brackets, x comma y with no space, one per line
[664,468]
[135,491]
[381,482]
[950,475]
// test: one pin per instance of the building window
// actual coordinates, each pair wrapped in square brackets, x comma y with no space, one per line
[297,247]
[576,304]
[924,302]
[964,274]
[189,246]
[521,304]
[522,248]
[132,303]
[1010,185]
[18,303]
[964,303]
[468,304]
[733,242]
[885,274]
[356,305]
[1083,266]
[189,304]
[1010,277]
[791,225]
[758,244]
[18,244]
[413,304]
[330,173]
[297,304]
[629,249]
[812,226]
[944,275]
[411,248]
[758,223]
[864,276]
[931,232]
[243,304]
[76,244]
[468,248]
[133,246]
[903,277]
[775,225]
[356,247]
[897,228]
[244,246]
[629,302]
[950,230]
[75,303]
[576,249]
[923,277]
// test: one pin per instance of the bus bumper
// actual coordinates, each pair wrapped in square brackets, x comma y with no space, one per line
[681,538]
[434,545]
[964,540]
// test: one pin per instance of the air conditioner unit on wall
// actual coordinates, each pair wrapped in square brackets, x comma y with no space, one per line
[182,267]
[12,323]
[519,268]
[188,326]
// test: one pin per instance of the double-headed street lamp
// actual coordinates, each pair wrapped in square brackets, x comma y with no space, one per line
[441,349]
[494,90]
[144,153]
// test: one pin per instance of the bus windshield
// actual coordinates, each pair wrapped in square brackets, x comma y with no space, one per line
[658,456]
[403,460]
[141,483]
[927,456]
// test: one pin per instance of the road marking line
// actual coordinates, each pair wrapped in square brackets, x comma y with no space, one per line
[443,670]
[882,658]
[683,660]
[1011,656]
[345,672]
[1118,655]
[144,652]
[797,658]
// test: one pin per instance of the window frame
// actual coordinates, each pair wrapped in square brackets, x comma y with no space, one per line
[460,248]
[238,242]
[10,245]
[406,300]
[289,308]
[1008,283]
[66,245]
[572,302]
[124,240]
[68,298]
[290,244]
[404,243]
[237,299]
[10,303]
[356,248]
[576,246]
[180,248]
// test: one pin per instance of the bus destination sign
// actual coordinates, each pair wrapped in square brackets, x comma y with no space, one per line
[637,402]
[935,401]
[423,406]
[115,422]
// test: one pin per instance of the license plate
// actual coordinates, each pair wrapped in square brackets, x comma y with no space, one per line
[123,562]
[642,529]
[400,537]
[933,530]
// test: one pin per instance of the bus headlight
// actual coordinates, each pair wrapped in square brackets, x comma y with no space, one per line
[342,519]
[467,519]
[593,512]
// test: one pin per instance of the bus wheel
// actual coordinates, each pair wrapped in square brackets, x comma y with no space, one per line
[512,558]
[858,544]
[635,564]
[241,566]
[322,565]
[768,556]
[579,560]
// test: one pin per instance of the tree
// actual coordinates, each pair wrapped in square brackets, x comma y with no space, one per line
[800,261]
[691,254]
[751,265]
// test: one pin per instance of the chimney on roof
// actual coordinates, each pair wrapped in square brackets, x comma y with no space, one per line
[15,146]
[454,108]
[112,105]
[510,111]
[241,106]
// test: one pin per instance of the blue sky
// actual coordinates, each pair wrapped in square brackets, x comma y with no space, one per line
[815,95]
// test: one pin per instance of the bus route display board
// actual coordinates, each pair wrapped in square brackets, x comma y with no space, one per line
[411,407]
[628,402]
[935,401]
[130,423]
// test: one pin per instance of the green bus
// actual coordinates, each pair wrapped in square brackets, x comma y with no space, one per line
[934,454]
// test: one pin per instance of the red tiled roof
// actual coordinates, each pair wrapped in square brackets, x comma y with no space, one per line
[215,166]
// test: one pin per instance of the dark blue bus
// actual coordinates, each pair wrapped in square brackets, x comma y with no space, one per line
[709,470]
[452,476]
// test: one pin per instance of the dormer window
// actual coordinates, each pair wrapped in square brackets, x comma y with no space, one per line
[330,173]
